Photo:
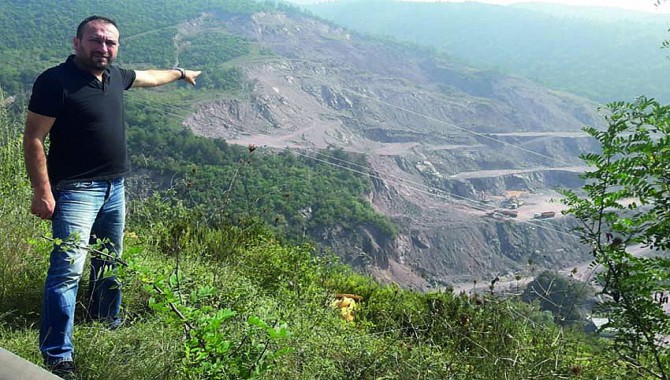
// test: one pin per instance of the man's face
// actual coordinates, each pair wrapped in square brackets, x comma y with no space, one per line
[98,45]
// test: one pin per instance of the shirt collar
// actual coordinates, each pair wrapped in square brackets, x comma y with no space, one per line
[73,66]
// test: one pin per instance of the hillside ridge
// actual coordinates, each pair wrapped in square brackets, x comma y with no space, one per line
[422,122]
[605,54]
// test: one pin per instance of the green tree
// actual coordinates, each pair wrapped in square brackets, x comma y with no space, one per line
[625,205]
[560,295]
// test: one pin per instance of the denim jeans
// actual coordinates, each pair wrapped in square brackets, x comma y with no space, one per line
[85,211]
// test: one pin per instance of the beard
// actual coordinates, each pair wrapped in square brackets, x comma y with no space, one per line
[94,61]
[100,61]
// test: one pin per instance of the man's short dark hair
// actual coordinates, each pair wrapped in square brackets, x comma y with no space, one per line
[80,28]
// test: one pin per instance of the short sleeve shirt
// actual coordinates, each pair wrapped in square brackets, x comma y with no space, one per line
[88,138]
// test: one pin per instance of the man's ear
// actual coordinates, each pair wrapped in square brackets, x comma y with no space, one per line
[75,42]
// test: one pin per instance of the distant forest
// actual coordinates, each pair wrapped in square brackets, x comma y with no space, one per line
[603,54]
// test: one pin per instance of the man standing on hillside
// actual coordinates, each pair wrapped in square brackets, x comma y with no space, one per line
[79,186]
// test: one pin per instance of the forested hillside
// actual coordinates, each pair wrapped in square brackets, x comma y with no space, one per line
[148,36]
[602,54]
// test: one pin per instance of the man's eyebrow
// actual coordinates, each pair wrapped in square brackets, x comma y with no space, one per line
[98,38]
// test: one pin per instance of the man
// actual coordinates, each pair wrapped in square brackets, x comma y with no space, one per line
[80,185]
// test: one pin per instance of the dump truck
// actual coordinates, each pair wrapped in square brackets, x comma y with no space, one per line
[544,215]
[510,213]
[503,213]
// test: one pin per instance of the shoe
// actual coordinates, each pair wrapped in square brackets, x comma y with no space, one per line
[108,323]
[115,324]
[64,370]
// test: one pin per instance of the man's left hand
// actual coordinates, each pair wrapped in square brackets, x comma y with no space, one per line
[190,76]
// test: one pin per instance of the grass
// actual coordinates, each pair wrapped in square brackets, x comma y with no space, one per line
[253,307]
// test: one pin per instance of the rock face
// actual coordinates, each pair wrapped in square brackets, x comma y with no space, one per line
[447,144]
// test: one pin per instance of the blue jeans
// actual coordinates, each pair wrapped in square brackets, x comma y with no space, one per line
[85,212]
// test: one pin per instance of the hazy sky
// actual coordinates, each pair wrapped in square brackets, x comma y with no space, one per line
[640,5]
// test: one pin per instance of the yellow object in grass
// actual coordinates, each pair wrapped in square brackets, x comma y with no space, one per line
[347,303]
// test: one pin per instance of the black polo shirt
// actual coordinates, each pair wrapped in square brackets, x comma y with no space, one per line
[88,138]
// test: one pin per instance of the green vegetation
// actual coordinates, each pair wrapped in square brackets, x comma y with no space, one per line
[563,297]
[153,34]
[627,205]
[222,282]
[301,197]
[590,54]
[253,307]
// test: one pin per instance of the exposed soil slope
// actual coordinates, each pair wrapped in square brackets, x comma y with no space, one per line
[445,143]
